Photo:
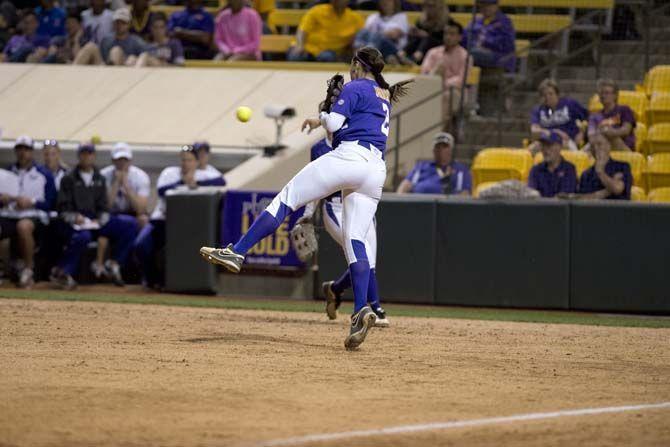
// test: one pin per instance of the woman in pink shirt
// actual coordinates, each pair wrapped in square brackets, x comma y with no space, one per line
[237,33]
[449,62]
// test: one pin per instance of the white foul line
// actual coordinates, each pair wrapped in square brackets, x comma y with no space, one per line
[404,429]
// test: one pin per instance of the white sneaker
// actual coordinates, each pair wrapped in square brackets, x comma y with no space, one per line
[98,271]
[26,278]
[113,271]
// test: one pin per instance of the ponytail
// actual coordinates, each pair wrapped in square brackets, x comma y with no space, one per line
[372,61]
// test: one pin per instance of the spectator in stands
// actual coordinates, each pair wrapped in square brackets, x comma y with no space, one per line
[151,239]
[557,114]
[128,189]
[427,33]
[25,214]
[326,33]
[443,175]
[608,178]
[63,50]
[449,61]
[237,34]
[28,46]
[385,30]
[97,21]
[493,37]
[210,176]
[193,27]
[554,175]
[119,48]
[163,50]
[51,156]
[51,18]
[83,207]
[141,18]
[615,122]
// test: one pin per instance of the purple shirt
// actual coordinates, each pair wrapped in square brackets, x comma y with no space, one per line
[426,179]
[590,182]
[615,118]
[367,111]
[171,52]
[563,117]
[197,20]
[548,183]
[19,42]
[497,36]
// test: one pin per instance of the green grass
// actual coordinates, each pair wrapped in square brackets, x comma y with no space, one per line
[529,316]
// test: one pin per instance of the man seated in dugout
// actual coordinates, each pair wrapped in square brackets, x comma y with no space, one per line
[554,175]
[443,175]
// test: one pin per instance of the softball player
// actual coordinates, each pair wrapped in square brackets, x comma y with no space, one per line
[359,120]
[332,221]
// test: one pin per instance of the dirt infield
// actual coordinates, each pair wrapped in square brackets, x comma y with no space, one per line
[110,374]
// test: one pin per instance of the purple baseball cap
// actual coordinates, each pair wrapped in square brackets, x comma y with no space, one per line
[551,138]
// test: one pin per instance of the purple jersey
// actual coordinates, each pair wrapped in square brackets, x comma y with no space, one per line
[367,110]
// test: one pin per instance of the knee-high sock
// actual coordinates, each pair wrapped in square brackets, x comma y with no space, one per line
[373,294]
[360,276]
[342,283]
[265,225]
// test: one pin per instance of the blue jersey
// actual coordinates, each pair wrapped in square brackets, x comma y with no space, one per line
[322,147]
[367,110]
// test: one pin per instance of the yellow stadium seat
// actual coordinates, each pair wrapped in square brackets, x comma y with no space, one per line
[659,195]
[581,160]
[636,161]
[658,79]
[658,138]
[659,108]
[641,138]
[637,101]
[637,194]
[658,171]
[481,187]
[496,164]
[276,43]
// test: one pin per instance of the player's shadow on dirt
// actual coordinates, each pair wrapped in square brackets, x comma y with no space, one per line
[252,339]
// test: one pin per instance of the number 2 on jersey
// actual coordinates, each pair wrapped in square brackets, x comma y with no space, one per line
[386,124]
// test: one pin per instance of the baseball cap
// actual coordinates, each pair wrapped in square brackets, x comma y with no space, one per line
[201,145]
[25,141]
[122,150]
[50,143]
[86,147]
[443,137]
[551,138]
[122,14]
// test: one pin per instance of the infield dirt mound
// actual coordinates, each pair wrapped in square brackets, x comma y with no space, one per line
[112,374]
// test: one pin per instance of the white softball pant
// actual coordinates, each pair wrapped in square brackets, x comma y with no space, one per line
[332,220]
[359,172]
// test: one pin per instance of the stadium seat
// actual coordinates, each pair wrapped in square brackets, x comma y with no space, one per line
[636,161]
[637,194]
[658,80]
[581,160]
[276,43]
[659,195]
[658,138]
[641,136]
[658,171]
[496,164]
[659,108]
[637,101]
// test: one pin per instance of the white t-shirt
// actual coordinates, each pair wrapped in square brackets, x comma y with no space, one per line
[137,179]
[87,177]
[170,179]
[98,26]
[378,24]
